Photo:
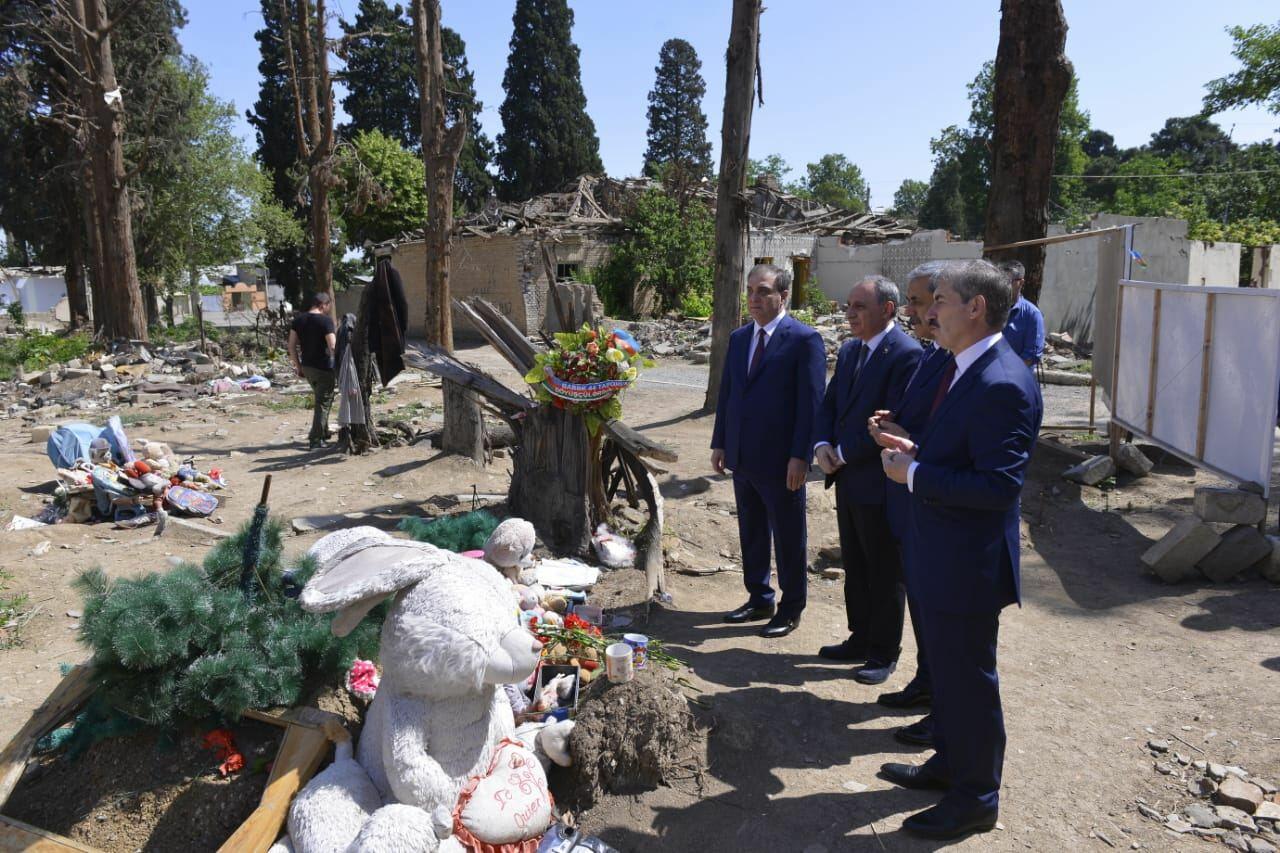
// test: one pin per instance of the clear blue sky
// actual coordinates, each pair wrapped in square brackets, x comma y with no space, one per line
[871,80]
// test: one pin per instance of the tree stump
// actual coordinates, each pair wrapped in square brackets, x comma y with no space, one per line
[463,423]
[551,479]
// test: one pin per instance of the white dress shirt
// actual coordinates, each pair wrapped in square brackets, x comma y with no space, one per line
[768,335]
[871,347]
[964,360]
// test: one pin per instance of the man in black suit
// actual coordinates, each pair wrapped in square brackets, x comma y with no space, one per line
[908,416]
[964,473]
[870,371]
[769,395]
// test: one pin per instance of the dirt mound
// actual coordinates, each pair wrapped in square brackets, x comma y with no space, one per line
[631,738]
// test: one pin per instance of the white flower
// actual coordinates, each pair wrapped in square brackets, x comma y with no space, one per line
[615,355]
[630,373]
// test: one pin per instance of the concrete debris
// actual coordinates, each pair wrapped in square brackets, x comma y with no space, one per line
[833,573]
[1092,471]
[1269,566]
[1240,547]
[1236,792]
[1229,506]
[1133,460]
[1175,556]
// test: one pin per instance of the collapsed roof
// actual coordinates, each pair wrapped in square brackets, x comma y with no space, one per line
[597,204]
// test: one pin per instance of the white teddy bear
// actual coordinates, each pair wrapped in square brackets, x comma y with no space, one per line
[449,642]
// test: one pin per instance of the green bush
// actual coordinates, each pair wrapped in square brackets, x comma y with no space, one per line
[184,332]
[189,645]
[35,350]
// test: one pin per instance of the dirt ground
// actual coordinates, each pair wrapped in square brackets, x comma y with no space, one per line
[1098,660]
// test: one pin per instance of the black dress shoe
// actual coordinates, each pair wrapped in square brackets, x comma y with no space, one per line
[848,652]
[874,672]
[919,733]
[751,613]
[913,694]
[780,626]
[944,823]
[913,776]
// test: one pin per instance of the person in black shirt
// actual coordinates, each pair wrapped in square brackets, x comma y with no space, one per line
[311,344]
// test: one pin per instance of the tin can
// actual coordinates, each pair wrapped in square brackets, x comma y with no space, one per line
[639,644]
[618,664]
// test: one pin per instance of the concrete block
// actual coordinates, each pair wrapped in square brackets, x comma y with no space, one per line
[76,372]
[1133,460]
[1091,471]
[1239,548]
[40,434]
[1175,556]
[1228,505]
[108,372]
[1269,566]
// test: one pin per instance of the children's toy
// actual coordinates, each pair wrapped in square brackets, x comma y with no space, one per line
[440,721]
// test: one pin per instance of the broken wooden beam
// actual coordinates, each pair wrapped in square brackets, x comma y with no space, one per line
[434,360]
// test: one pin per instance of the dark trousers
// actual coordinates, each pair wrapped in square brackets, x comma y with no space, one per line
[322,383]
[771,514]
[922,660]
[873,588]
[968,724]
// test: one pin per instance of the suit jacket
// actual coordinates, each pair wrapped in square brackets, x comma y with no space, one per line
[763,421]
[911,412]
[849,401]
[965,503]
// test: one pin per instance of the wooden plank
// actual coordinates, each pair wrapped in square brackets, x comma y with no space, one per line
[639,444]
[434,360]
[1154,376]
[300,755]
[72,691]
[19,837]
[482,326]
[1057,238]
[1113,434]
[502,326]
[1206,369]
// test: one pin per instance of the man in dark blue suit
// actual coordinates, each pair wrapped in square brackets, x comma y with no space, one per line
[907,416]
[770,390]
[965,475]
[871,369]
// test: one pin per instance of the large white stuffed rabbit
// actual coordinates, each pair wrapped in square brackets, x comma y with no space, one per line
[449,642]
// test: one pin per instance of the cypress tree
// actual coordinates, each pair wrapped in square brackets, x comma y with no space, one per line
[547,137]
[382,84]
[273,119]
[677,126]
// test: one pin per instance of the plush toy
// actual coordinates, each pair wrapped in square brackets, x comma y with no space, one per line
[440,722]
[509,547]
[549,741]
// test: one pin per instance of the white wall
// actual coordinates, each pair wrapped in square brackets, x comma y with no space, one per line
[839,267]
[36,293]
[1213,263]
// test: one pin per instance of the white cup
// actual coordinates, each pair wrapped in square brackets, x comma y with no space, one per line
[618,665]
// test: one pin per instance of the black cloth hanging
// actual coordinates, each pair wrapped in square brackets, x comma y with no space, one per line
[388,320]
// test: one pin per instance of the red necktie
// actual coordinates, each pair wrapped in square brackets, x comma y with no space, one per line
[944,386]
[757,357]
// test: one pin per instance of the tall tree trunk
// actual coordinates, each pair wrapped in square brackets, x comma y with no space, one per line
[1032,77]
[121,308]
[97,260]
[732,216]
[441,146]
[77,299]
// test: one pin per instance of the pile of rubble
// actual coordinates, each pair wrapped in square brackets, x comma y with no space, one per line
[691,339]
[1230,806]
[1221,540]
[132,373]
[1065,362]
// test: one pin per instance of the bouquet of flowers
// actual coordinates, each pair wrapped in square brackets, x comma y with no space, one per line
[585,371]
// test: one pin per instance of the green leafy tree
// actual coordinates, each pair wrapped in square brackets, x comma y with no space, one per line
[272,118]
[772,165]
[382,192]
[909,198]
[677,126]
[669,250]
[381,78]
[1258,80]
[547,137]
[962,160]
[837,181]
[1196,138]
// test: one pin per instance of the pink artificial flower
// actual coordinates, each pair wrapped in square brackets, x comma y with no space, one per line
[363,679]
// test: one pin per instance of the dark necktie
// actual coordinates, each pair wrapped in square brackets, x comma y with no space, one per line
[862,362]
[757,357]
[943,387]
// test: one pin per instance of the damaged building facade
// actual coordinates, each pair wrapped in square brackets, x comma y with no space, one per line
[510,253]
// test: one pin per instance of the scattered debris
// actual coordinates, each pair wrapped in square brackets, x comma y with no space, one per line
[1092,471]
